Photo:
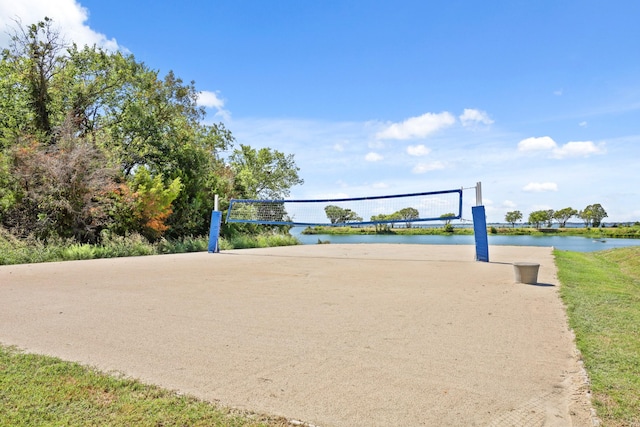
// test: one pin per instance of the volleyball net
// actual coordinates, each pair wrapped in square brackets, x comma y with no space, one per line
[401,209]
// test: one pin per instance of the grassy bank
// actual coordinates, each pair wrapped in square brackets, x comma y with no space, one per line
[26,251]
[602,293]
[632,232]
[393,231]
[44,391]
[608,232]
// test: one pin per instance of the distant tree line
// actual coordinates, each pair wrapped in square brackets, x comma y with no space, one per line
[383,222]
[592,216]
[93,141]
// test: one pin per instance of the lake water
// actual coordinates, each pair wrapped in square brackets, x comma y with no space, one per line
[568,243]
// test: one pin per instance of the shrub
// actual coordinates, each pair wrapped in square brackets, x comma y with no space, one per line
[78,251]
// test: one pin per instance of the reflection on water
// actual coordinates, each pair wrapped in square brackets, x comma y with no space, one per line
[568,243]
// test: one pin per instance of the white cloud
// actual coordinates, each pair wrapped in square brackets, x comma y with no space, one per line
[578,149]
[418,150]
[417,127]
[558,92]
[380,185]
[583,124]
[537,144]
[209,99]
[338,147]
[68,16]
[570,149]
[427,167]
[509,204]
[472,117]
[539,187]
[373,157]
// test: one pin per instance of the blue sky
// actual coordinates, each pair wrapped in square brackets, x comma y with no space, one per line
[540,101]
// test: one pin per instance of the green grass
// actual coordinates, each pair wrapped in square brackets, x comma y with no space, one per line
[608,232]
[266,240]
[602,293]
[30,250]
[395,231]
[44,391]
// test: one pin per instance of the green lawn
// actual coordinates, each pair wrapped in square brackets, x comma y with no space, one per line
[45,391]
[602,293]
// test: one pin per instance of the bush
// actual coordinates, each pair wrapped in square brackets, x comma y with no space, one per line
[113,246]
[245,241]
[186,244]
[78,251]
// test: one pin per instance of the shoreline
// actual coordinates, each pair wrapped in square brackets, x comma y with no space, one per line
[604,232]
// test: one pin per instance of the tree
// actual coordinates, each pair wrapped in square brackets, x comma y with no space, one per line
[447,218]
[152,202]
[408,214]
[593,215]
[598,214]
[120,107]
[264,173]
[338,215]
[36,54]
[60,191]
[538,218]
[513,217]
[384,222]
[563,215]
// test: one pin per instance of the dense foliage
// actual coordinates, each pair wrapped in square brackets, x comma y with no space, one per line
[93,141]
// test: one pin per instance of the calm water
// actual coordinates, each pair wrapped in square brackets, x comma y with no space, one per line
[568,243]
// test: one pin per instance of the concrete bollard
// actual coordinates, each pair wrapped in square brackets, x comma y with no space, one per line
[526,272]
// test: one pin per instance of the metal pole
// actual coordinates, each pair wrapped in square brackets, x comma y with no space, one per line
[215,203]
[478,194]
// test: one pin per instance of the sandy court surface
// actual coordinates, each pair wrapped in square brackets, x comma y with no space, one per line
[332,335]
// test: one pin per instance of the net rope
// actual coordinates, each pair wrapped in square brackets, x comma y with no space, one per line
[397,209]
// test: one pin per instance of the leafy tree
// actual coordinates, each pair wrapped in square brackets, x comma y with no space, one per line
[408,214]
[338,215]
[593,215]
[14,111]
[36,56]
[447,218]
[121,108]
[538,218]
[60,191]
[7,184]
[598,214]
[513,217]
[264,173]
[563,215]
[153,200]
[380,226]
[386,221]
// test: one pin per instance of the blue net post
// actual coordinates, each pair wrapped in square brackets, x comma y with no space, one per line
[480,233]
[214,231]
